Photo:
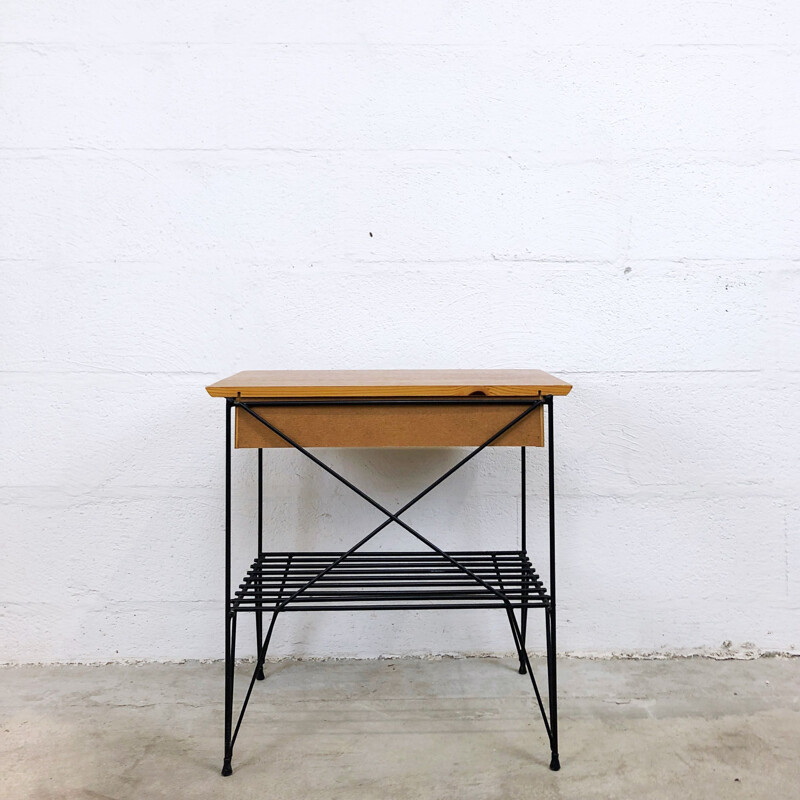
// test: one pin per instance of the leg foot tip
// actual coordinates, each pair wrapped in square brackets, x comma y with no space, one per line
[522,670]
[555,764]
[226,768]
[260,674]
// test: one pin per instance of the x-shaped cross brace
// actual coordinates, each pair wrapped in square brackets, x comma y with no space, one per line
[390,517]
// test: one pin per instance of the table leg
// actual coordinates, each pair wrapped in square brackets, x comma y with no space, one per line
[259,613]
[523,614]
[230,619]
[550,613]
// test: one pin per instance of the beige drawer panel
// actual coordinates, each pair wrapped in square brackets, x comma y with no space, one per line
[389,426]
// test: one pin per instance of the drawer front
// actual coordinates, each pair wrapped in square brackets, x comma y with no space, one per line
[389,426]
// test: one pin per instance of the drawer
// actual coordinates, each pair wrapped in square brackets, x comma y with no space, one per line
[390,426]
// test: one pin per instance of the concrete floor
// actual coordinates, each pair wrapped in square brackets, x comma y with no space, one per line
[453,728]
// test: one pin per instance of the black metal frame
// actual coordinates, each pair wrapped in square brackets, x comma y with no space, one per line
[358,580]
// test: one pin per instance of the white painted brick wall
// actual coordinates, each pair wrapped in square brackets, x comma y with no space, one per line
[605,191]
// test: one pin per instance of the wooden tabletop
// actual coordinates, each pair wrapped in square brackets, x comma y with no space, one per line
[389,383]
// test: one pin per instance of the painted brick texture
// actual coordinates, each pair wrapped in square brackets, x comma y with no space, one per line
[607,191]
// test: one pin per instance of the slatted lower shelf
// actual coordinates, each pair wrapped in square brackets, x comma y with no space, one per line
[373,581]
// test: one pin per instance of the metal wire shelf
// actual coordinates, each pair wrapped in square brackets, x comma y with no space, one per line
[373,581]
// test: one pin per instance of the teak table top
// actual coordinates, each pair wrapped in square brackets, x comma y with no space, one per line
[389,383]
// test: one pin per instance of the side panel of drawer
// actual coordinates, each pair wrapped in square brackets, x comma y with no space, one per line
[389,426]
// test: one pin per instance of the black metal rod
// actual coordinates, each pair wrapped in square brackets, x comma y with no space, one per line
[523,616]
[394,594]
[523,504]
[259,616]
[513,594]
[388,401]
[400,556]
[297,606]
[393,517]
[390,577]
[366,569]
[315,555]
[229,616]
[353,567]
[261,587]
[366,573]
[397,578]
[551,614]
[260,501]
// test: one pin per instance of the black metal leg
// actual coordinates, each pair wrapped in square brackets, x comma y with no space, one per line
[549,622]
[230,664]
[523,614]
[550,613]
[230,619]
[259,613]
[523,618]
